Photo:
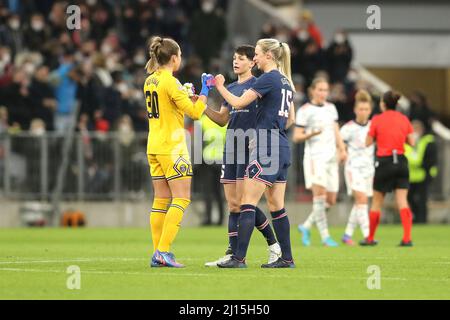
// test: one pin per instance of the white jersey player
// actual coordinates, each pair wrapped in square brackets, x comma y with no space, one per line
[359,167]
[316,124]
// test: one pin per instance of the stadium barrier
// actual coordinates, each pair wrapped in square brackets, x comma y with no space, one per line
[109,166]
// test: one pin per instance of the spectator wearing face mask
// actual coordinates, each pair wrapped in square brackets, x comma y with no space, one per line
[11,35]
[339,57]
[36,33]
[298,41]
[311,62]
[307,23]
[214,31]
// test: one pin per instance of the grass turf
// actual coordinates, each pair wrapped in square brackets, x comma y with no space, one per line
[114,265]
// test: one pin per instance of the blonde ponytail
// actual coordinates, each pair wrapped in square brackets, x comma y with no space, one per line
[281,54]
[285,63]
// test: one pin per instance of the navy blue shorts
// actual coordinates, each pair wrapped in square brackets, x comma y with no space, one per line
[269,169]
[233,171]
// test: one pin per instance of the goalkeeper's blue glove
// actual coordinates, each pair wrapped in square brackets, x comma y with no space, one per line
[207,83]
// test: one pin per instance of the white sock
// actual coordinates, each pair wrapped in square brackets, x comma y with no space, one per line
[309,221]
[320,217]
[362,213]
[352,222]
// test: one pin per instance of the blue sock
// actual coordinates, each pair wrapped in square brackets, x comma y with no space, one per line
[233,230]
[245,228]
[281,226]
[263,225]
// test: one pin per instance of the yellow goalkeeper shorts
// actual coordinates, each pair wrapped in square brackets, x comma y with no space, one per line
[169,167]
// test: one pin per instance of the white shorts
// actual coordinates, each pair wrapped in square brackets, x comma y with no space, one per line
[322,173]
[358,179]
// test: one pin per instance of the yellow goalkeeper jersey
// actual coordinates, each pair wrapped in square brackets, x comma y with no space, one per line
[167,103]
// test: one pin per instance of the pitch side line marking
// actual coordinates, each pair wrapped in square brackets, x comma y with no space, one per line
[210,275]
[77,260]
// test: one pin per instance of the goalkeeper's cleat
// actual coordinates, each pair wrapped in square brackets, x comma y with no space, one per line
[167,259]
[280,263]
[368,243]
[347,240]
[221,260]
[154,262]
[405,244]
[328,242]
[274,252]
[306,235]
[233,263]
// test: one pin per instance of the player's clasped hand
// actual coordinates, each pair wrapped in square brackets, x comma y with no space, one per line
[219,80]
[208,82]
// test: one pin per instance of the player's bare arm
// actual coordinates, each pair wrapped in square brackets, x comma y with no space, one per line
[291,119]
[340,143]
[369,141]
[237,102]
[221,117]
[300,134]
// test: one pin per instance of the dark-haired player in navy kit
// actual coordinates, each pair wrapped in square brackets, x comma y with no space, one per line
[270,158]
[236,154]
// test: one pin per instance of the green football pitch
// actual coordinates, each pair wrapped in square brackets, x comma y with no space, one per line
[113,264]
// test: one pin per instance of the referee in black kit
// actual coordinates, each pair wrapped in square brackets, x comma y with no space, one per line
[390,130]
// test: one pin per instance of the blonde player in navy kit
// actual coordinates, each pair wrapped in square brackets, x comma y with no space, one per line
[270,158]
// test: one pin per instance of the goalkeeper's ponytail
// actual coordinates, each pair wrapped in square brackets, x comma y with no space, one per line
[161,50]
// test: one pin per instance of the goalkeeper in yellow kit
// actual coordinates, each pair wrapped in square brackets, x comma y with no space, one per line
[168,157]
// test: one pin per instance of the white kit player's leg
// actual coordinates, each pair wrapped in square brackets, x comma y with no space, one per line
[352,222]
[362,214]
[351,226]
[309,221]
[320,216]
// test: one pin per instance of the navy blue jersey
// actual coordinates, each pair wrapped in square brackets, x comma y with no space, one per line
[275,96]
[243,119]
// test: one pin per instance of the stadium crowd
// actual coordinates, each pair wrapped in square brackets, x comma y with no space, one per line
[45,67]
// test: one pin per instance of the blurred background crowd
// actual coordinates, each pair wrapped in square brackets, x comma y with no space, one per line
[45,68]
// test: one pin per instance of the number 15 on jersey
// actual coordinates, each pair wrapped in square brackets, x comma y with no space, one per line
[285,103]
